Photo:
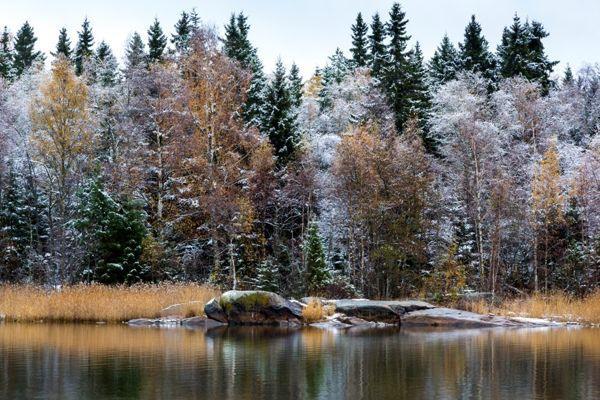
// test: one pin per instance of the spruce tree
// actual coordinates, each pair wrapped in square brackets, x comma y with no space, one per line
[157,41]
[63,46]
[568,76]
[296,85]
[419,92]
[317,273]
[183,33]
[85,47]
[377,51]
[14,227]
[444,64]
[474,53]
[539,68]
[279,120]
[111,232]
[237,46]
[6,55]
[135,53]
[359,42]
[397,72]
[334,72]
[105,65]
[24,50]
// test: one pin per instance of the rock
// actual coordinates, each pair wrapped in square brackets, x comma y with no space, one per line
[141,322]
[447,317]
[388,312]
[200,322]
[178,309]
[253,308]
[213,310]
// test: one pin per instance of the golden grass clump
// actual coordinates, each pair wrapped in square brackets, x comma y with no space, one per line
[555,306]
[93,303]
[313,312]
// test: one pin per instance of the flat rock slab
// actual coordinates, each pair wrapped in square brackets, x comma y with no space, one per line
[192,322]
[388,312]
[447,317]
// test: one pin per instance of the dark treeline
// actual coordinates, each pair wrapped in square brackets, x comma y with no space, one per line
[381,174]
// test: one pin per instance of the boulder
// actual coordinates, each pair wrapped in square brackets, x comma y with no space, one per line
[213,310]
[200,322]
[253,307]
[447,317]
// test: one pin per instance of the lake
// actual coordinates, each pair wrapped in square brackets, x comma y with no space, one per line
[53,361]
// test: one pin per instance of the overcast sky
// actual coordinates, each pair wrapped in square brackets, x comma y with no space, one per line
[307,31]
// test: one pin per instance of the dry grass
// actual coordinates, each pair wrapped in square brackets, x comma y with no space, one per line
[556,306]
[88,303]
[313,312]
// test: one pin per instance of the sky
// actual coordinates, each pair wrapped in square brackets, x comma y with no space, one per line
[308,31]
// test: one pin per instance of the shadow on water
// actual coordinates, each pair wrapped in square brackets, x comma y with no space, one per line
[52,361]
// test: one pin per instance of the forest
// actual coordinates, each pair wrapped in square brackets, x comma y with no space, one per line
[380,175]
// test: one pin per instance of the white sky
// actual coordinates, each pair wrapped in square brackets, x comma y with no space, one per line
[308,31]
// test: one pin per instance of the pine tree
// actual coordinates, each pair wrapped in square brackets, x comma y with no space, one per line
[359,42]
[6,55]
[183,33]
[317,273]
[279,120]
[539,68]
[135,53]
[445,64]
[397,71]
[474,53]
[112,232]
[105,65]
[377,51]
[296,86]
[24,49]
[157,41]
[63,46]
[85,44]
[268,276]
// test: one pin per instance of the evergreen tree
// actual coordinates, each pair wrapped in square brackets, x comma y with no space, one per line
[397,73]
[317,273]
[268,276]
[237,46]
[24,49]
[105,65]
[194,20]
[359,42]
[279,120]
[85,47]
[336,70]
[521,53]
[377,51]
[420,100]
[6,55]
[135,53]
[568,77]
[157,42]
[474,53]
[112,233]
[63,46]
[296,85]
[445,64]
[14,227]
[183,33]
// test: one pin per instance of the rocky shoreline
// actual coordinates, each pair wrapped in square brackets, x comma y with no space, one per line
[267,308]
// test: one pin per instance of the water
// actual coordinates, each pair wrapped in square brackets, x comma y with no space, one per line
[41,361]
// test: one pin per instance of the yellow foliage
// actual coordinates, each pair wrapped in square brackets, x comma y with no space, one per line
[313,312]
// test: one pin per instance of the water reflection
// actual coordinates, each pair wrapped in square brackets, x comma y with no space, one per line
[97,362]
